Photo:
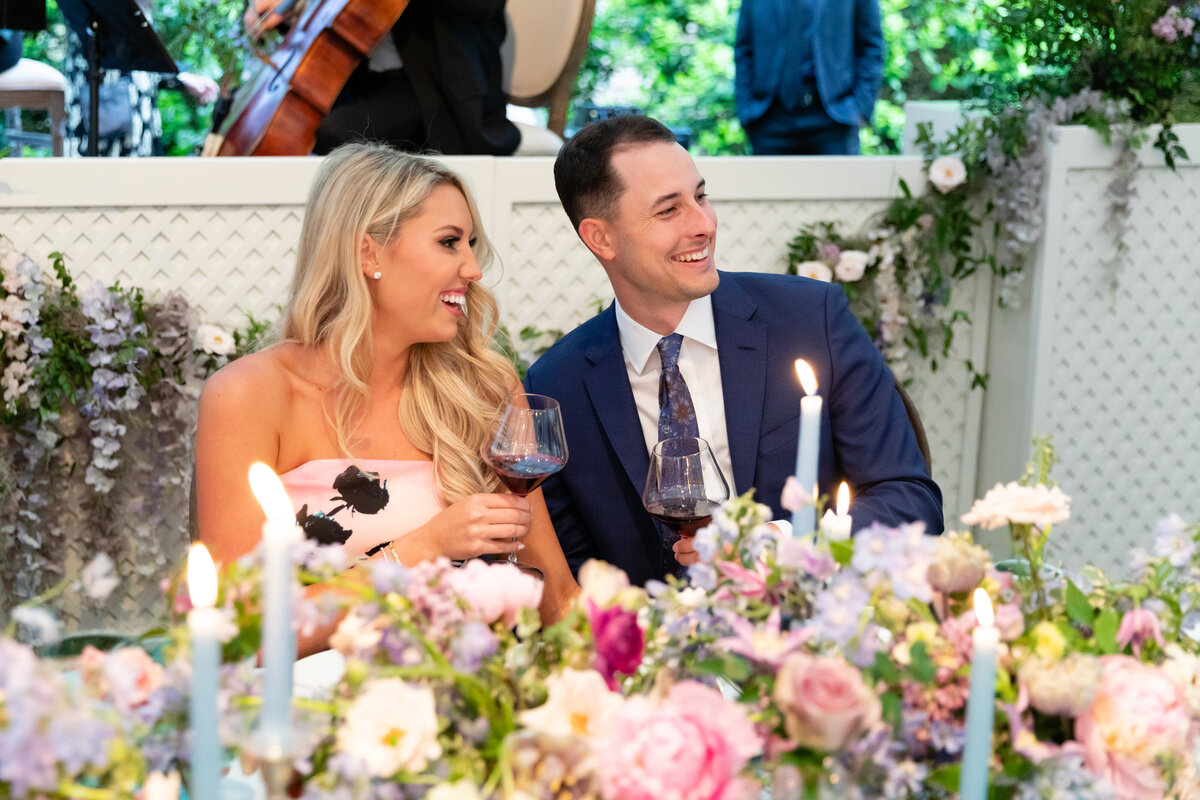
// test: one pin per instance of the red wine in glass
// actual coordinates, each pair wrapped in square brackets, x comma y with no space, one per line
[529,445]
[684,485]
[524,473]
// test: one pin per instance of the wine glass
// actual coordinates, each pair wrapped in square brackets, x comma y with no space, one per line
[684,485]
[529,445]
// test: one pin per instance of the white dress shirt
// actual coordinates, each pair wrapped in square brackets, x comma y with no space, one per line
[701,371]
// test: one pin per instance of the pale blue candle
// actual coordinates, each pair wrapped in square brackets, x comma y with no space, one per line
[279,532]
[204,625]
[981,703]
[804,519]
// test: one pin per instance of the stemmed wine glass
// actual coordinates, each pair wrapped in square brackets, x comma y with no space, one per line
[529,445]
[684,485]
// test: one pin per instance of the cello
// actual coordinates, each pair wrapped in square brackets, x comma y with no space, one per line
[277,112]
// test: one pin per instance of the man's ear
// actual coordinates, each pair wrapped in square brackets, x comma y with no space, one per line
[598,237]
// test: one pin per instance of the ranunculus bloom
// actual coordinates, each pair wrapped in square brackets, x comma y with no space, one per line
[1139,714]
[132,676]
[496,591]
[1039,505]
[947,173]
[824,701]
[1063,688]
[958,564]
[601,581]
[619,641]
[391,726]
[851,265]
[691,747]
[817,270]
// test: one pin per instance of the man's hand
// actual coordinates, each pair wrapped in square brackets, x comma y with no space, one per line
[685,551]
[254,12]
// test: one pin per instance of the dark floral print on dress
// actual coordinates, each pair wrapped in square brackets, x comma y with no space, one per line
[363,493]
[321,528]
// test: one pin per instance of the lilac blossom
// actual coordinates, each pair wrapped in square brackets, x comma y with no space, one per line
[839,608]
[474,643]
[1171,541]
[902,554]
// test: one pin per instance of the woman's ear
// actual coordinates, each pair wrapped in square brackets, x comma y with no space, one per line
[368,254]
[598,238]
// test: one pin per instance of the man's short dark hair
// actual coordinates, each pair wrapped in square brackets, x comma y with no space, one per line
[583,174]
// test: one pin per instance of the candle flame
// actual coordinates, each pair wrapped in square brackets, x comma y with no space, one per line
[808,378]
[201,577]
[271,495]
[983,609]
[843,499]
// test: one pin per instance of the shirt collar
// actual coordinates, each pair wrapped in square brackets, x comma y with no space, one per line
[638,341]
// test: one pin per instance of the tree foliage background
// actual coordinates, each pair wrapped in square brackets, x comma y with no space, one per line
[673,59]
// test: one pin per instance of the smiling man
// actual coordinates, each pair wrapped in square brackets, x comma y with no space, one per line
[690,350]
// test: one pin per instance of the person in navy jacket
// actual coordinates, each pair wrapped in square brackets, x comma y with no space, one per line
[638,202]
[806,74]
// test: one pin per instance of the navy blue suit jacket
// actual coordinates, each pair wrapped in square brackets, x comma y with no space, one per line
[847,49]
[763,324]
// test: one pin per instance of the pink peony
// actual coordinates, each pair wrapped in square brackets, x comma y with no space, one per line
[619,641]
[1139,714]
[691,747]
[496,591]
[824,701]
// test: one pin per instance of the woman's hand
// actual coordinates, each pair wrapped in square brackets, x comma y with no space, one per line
[481,524]
[254,12]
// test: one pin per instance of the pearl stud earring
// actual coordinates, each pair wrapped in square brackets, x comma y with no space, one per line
[378,275]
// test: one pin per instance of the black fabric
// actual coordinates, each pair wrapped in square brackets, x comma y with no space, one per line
[448,95]
[10,48]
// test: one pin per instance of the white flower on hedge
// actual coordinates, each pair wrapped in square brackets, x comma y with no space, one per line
[214,340]
[43,628]
[947,173]
[851,265]
[578,703]
[1006,503]
[391,726]
[817,270]
[98,578]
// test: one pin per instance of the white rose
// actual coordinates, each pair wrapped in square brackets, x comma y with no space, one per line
[947,173]
[578,703]
[851,266]
[817,270]
[161,786]
[459,790]
[214,340]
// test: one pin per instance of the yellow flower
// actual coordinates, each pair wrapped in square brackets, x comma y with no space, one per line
[1048,641]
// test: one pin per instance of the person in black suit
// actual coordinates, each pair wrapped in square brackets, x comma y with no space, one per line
[639,203]
[432,84]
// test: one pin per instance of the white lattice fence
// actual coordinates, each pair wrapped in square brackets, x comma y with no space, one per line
[223,233]
[1108,359]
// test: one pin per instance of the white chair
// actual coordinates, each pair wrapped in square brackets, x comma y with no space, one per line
[33,85]
[541,56]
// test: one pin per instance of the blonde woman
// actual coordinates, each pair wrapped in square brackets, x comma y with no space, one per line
[376,403]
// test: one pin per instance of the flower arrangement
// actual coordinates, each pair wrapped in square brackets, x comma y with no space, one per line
[98,394]
[819,668]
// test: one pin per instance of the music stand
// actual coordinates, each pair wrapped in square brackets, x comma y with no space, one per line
[115,35]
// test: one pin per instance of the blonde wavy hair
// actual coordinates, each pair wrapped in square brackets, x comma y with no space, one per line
[453,391]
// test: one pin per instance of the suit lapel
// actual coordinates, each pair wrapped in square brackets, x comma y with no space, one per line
[741,349]
[608,388]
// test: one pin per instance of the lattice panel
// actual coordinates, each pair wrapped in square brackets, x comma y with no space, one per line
[551,281]
[1124,380]
[227,260]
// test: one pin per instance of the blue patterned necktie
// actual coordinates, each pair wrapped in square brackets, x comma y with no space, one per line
[676,414]
[676,417]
